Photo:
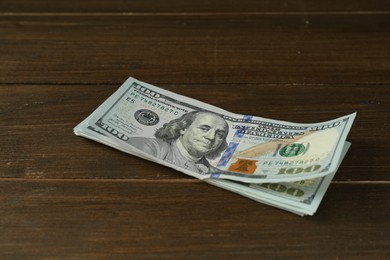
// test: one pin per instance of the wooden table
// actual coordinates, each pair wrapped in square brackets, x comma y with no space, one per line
[63,196]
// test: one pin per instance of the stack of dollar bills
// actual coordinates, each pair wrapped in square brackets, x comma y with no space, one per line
[282,164]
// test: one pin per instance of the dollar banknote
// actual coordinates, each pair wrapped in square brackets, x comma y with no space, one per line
[243,153]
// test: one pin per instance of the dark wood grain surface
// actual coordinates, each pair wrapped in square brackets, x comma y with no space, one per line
[63,196]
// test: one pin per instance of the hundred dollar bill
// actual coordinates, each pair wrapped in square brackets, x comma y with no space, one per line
[208,142]
[302,197]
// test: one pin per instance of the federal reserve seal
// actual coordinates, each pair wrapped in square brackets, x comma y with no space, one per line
[146,117]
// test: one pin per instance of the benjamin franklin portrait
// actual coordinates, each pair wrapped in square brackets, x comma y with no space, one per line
[188,141]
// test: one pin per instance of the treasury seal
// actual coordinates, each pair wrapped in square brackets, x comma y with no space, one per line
[146,117]
[292,150]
